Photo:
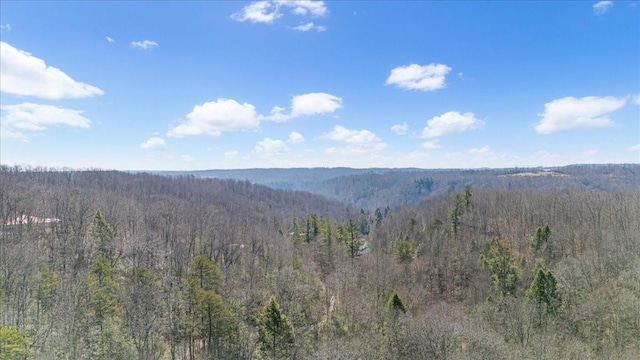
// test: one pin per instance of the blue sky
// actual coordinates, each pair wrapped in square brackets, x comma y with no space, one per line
[204,85]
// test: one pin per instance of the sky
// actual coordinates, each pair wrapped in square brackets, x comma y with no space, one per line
[224,85]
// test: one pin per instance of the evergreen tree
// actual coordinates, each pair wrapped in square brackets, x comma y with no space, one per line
[275,332]
[500,261]
[543,290]
[103,290]
[394,303]
[404,252]
[541,238]
[208,319]
[103,236]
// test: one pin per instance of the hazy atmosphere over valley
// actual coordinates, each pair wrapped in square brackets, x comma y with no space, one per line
[221,85]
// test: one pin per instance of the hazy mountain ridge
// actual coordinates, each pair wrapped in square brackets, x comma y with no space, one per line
[380,187]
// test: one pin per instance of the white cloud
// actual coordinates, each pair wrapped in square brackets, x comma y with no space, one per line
[268,11]
[258,12]
[314,104]
[5,27]
[110,39]
[570,113]
[35,117]
[232,154]
[307,105]
[635,147]
[305,7]
[431,145]
[268,146]
[296,137]
[400,129]
[602,7]
[419,77]
[214,117]
[451,122]
[358,142]
[636,99]
[26,75]
[485,150]
[309,26]
[144,44]
[154,144]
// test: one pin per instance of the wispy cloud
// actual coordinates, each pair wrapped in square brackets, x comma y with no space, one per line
[400,129]
[5,27]
[270,147]
[635,147]
[110,39]
[357,142]
[144,44]
[258,12]
[296,137]
[26,75]
[269,11]
[419,77]
[431,145]
[602,7]
[20,118]
[154,144]
[450,123]
[308,27]
[305,7]
[570,113]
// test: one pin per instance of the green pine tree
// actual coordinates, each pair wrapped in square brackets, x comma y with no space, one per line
[501,262]
[103,235]
[394,303]
[275,332]
[543,290]
[404,252]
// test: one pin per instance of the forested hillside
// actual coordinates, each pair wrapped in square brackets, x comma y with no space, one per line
[372,188]
[111,265]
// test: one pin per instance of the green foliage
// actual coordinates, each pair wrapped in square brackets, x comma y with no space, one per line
[203,274]
[350,235]
[543,290]
[103,289]
[275,332]
[296,235]
[394,303]
[378,217]
[14,344]
[466,196]
[47,286]
[363,222]
[109,342]
[404,251]
[501,262]
[103,234]
[461,203]
[208,318]
[143,309]
[541,238]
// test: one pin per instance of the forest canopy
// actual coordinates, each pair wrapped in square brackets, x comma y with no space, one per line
[113,265]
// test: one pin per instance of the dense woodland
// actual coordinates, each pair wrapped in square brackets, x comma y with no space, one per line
[111,265]
[372,188]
